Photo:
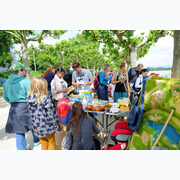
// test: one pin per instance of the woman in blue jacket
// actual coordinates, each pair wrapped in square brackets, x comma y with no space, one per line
[102,90]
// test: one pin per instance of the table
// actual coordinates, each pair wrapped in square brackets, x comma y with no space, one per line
[105,116]
[120,114]
[98,112]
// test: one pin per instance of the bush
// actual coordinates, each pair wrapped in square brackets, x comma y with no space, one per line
[37,74]
[5,75]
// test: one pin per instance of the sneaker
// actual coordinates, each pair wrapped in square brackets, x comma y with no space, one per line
[37,144]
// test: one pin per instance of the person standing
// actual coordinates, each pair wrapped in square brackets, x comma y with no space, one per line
[59,86]
[133,74]
[68,76]
[42,113]
[15,91]
[48,75]
[102,90]
[138,85]
[120,80]
[81,78]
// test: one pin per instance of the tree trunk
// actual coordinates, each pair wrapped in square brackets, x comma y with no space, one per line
[94,70]
[25,56]
[175,72]
[87,65]
[133,56]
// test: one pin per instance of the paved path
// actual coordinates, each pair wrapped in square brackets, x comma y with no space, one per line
[8,141]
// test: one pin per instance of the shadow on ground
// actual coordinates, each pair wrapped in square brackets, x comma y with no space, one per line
[6,136]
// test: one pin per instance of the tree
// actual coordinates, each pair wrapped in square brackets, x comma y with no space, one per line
[5,47]
[25,36]
[175,73]
[130,46]
[66,52]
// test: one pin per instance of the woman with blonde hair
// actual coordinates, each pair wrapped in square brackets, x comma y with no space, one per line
[42,113]
[120,79]
[48,75]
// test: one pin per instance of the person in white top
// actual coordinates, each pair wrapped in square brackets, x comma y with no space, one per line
[139,80]
[137,87]
[59,86]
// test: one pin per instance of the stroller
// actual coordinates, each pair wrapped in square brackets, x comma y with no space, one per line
[120,136]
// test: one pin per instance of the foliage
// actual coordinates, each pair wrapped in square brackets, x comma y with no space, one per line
[35,74]
[6,74]
[5,46]
[118,44]
[65,52]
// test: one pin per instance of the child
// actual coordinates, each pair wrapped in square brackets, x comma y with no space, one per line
[42,113]
[80,130]
[138,85]
[139,80]
[59,86]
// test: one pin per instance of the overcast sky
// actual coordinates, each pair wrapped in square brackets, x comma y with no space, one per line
[161,54]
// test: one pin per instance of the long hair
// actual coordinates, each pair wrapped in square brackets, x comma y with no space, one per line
[39,86]
[77,113]
[123,64]
[49,70]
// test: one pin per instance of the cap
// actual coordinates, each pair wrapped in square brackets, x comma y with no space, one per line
[19,66]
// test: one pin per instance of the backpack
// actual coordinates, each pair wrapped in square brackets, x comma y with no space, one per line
[96,82]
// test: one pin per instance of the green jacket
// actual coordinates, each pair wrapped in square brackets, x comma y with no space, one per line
[16,88]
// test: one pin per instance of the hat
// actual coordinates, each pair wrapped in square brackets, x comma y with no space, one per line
[19,66]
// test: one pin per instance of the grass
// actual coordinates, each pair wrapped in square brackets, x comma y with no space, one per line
[1,89]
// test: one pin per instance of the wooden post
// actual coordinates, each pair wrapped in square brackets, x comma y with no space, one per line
[172,111]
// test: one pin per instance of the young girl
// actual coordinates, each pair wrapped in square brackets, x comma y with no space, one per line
[80,130]
[59,86]
[42,113]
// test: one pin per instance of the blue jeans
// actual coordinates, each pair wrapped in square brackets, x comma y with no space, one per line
[21,141]
[118,95]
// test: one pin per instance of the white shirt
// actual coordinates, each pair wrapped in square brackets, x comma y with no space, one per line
[58,84]
[139,81]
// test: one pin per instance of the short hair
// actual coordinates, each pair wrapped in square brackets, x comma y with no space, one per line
[123,64]
[60,70]
[106,66]
[145,70]
[140,65]
[76,65]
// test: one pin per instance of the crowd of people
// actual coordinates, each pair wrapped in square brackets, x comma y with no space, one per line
[34,103]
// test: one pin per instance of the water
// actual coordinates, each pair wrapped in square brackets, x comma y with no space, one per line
[166,73]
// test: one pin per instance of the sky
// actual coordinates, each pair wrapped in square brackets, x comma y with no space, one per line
[161,54]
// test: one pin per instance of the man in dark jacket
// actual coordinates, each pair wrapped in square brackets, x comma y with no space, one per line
[68,76]
[134,73]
